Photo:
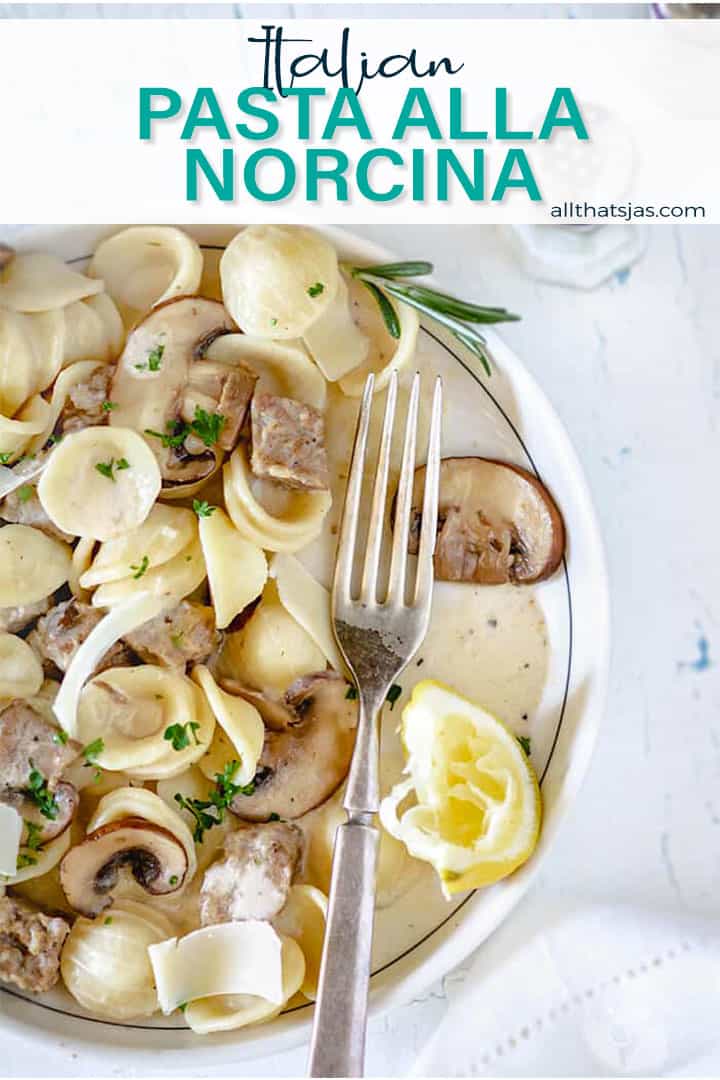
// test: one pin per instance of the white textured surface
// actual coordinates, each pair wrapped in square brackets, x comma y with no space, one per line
[634,371]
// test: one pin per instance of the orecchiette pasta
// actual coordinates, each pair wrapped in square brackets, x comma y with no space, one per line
[100,482]
[236,568]
[42,283]
[239,734]
[308,602]
[291,528]
[177,577]
[105,962]
[303,918]
[35,862]
[278,280]
[17,362]
[15,434]
[166,532]
[229,1012]
[335,341]
[284,368]
[146,265]
[82,558]
[93,330]
[386,354]
[131,709]
[32,565]
[62,386]
[21,673]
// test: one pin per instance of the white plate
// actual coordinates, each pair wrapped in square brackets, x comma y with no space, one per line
[422,936]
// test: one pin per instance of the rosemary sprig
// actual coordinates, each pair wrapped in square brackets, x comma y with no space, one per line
[457,316]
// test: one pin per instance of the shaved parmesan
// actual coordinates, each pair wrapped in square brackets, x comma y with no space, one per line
[119,621]
[11,826]
[309,604]
[233,958]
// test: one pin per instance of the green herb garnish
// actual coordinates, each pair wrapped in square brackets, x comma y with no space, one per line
[60,737]
[211,811]
[154,360]
[351,694]
[109,406]
[108,921]
[524,741]
[274,817]
[393,694]
[5,457]
[177,639]
[41,795]
[207,426]
[24,860]
[316,290]
[34,835]
[91,751]
[203,508]
[174,879]
[105,468]
[25,492]
[178,735]
[122,463]
[140,568]
[458,316]
[175,435]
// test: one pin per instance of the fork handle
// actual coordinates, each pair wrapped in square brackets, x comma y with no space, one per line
[338,1039]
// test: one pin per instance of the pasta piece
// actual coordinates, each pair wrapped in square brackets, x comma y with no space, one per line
[15,434]
[303,918]
[100,482]
[232,1011]
[386,353]
[131,709]
[105,963]
[33,863]
[125,618]
[271,650]
[232,958]
[62,386]
[239,735]
[284,369]
[236,568]
[11,827]
[43,283]
[278,279]
[93,330]
[32,565]
[82,559]
[166,532]
[309,604]
[296,526]
[21,673]
[177,577]
[337,345]
[127,802]
[18,375]
[146,265]
[47,329]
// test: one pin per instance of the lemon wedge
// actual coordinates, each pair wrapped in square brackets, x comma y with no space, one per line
[472,806]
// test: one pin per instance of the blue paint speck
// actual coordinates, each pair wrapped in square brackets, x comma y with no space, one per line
[621,276]
[702,661]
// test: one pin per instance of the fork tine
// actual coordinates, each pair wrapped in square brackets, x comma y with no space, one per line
[342,582]
[368,588]
[428,529]
[403,502]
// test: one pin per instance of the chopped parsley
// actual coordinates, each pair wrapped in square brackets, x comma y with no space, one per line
[154,360]
[91,751]
[175,433]
[207,426]
[524,741]
[34,835]
[108,921]
[393,694]
[274,817]
[60,737]
[140,568]
[273,322]
[40,794]
[174,879]
[25,492]
[203,508]
[178,735]
[351,693]
[109,406]
[53,440]
[316,290]
[211,811]
[177,639]
[5,456]
[24,860]
[105,468]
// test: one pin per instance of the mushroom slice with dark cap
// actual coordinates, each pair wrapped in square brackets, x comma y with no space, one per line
[301,766]
[89,872]
[497,523]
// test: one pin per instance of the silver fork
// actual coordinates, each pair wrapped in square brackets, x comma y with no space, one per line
[377,639]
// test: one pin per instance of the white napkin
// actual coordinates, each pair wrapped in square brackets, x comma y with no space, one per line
[601,990]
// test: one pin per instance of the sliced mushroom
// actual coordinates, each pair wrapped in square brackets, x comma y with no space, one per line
[301,766]
[497,523]
[42,828]
[275,714]
[152,379]
[7,254]
[89,872]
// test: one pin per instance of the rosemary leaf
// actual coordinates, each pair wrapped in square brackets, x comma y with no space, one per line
[387,311]
[395,270]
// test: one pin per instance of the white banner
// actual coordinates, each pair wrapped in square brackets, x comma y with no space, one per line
[440,121]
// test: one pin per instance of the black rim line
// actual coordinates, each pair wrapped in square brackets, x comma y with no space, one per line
[553,746]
